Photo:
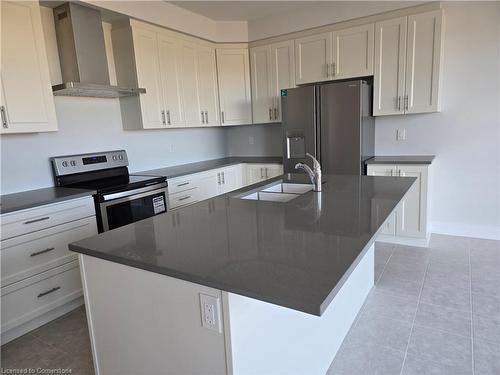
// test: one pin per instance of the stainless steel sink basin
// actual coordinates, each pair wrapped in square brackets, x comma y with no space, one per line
[279,192]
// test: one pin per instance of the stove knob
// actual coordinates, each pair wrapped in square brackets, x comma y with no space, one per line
[120,157]
[64,163]
[73,163]
[114,157]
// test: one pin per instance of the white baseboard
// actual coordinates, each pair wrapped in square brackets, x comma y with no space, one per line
[466,230]
[408,241]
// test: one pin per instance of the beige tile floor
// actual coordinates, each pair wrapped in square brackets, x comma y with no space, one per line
[432,311]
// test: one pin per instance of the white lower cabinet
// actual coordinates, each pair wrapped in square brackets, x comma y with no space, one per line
[260,172]
[189,189]
[40,276]
[408,224]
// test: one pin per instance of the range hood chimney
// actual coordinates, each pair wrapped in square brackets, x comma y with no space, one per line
[82,53]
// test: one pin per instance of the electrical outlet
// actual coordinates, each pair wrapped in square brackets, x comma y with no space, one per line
[401,134]
[251,140]
[210,312]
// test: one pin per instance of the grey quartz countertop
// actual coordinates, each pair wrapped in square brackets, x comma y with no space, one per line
[401,159]
[39,197]
[296,254]
[184,169]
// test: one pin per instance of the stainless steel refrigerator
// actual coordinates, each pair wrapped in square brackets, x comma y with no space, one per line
[331,121]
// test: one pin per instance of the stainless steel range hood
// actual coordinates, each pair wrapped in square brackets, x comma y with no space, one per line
[82,53]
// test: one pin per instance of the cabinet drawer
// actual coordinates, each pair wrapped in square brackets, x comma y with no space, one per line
[177,185]
[36,252]
[34,219]
[183,198]
[33,297]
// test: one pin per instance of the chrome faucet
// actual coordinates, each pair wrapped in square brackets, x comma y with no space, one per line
[314,173]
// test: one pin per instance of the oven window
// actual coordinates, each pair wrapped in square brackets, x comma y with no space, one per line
[127,212]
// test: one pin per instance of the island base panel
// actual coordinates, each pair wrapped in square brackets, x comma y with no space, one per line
[268,339]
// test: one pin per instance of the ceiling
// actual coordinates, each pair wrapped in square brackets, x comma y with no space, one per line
[241,10]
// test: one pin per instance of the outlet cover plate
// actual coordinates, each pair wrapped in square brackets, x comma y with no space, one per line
[210,312]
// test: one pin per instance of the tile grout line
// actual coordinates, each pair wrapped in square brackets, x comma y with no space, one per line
[414,319]
[471,315]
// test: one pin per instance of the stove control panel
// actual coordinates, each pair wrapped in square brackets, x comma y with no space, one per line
[72,164]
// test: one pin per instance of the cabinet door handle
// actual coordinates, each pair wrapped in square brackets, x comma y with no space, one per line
[223,179]
[41,252]
[37,220]
[49,291]
[168,117]
[218,178]
[163,117]
[267,176]
[222,116]
[327,70]
[206,117]
[406,102]
[261,173]
[270,113]
[399,103]
[202,117]
[4,117]
[184,198]
[275,113]
[183,184]
[334,66]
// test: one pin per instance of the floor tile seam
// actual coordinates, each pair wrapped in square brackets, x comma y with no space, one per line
[429,360]
[413,322]
[420,325]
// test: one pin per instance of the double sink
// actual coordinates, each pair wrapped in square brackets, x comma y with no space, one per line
[278,192]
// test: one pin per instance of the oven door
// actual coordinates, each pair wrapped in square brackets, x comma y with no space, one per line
[126,207]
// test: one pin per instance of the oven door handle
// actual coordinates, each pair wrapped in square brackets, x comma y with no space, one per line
[128,193]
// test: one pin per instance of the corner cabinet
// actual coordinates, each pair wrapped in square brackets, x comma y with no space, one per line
[339,54]
[408,224]
[234,86]
[272,69]
[408,64]
[26,99]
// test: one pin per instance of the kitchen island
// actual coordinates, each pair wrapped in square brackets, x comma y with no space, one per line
[232,285]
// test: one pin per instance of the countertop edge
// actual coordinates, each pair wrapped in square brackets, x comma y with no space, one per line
[401,159]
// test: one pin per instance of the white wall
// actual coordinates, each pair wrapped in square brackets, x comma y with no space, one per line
[465,136]
[319,13]
[254,140]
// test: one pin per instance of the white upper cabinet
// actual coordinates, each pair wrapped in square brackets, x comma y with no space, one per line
[353,52]
[423,62]
[171,80]
[207,77]
[190,84]
[313,58]
[261,74]
[408,54]
[234,86]
[26,102]
[272,69]
[389,77]
[283,72]
[149,77]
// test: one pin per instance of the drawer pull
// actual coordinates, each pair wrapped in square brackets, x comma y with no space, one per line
[37,220]
[184,198]
[42,252]
[49,291]
[183,184]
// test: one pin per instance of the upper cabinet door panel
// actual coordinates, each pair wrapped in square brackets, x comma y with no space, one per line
[28,103]
[389,74]
[190,84]
[234,86]
[207,78]
[262,78]
[170,81]
[283,71]
[313,54]
[149,77]
[353,52]
[423,62]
